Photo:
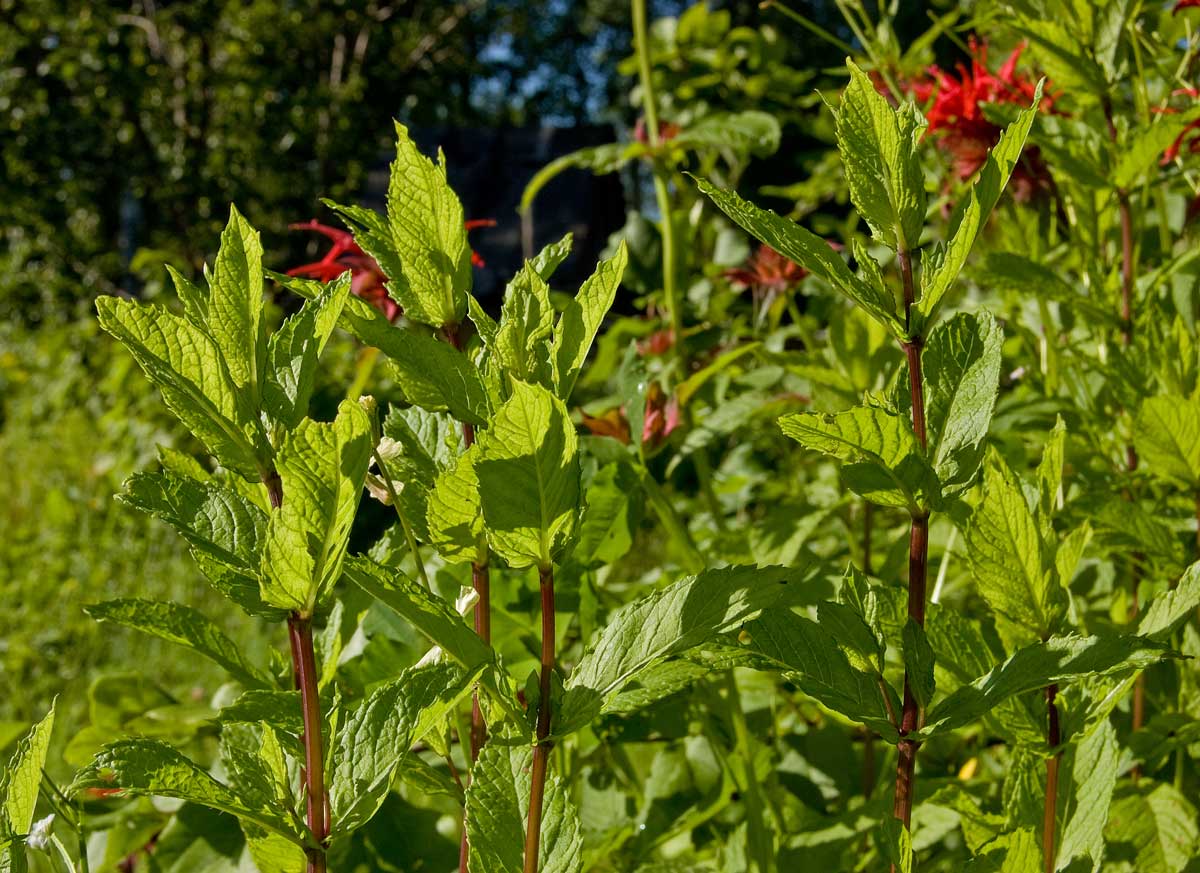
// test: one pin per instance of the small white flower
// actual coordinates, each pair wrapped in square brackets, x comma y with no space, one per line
[39,836]
[467,598]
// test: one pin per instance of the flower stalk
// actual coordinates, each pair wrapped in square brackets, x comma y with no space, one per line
[304,664]
[1054,740]
[541,751]
[305,675]
[918,563]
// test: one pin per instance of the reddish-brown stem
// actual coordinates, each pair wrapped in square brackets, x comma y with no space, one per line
[304,676]
[912,351]
[541,752]
[274,488]
[1054,739]
[918,564]
[868,771]
[910,717]
[1126,268]
[317,810]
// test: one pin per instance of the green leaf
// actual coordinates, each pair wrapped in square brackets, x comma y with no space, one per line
[294,349]
[528,470]
[1144,149]
[212,518]
[192,296]
[235,305]
[811,656]
[1057,660]
[254,762]
[879,147]
[453,513]
[862,647]
[580,321]
[373,235]
[279,709]
[918,663]
[961,369]
[374,738]
[429,237]
[605,529]
[1155,825]
[522,342]
[552,255]
[1170,609]
[1027,278]
[895,844]
[431,374]
[497,810]
[681,616]
[1050,470]
[148,768]
[805,248]
[943,265]
[187,366]
[1167,436]
[882,459]
[322,467]
[748,133]
[1093,764]
[1014,852]
[1006,555]
[183,626]
[436,376]
[431,616]
[19,784]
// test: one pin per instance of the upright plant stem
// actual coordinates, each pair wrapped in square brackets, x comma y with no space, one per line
[541,752]
[868,770]
[662,197]
[661,194]
[759,841]
[305,664]
[1128,254]
[304,670]
[918,566]
[1054,739]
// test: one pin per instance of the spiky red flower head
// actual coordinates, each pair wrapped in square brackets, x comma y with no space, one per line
[667,130]
[1188,136]
[1180,5]
[956,114]
[366,278]
[767,270]
[660,419]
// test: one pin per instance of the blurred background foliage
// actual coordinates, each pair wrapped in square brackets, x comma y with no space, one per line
[127,128]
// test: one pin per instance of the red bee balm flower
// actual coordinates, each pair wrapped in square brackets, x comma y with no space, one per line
[661,418]
[956,115]
[667,130]
[1184,4]
[1188,136]
[367,279]
[767,270]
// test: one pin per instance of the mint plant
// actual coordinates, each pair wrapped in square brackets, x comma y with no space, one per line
[670,587]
